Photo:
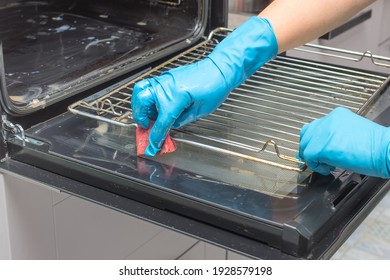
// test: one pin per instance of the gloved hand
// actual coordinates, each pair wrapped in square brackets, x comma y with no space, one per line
[346,140]
[187,93]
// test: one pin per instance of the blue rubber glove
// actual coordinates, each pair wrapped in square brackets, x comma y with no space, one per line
[187,93]
[346,140]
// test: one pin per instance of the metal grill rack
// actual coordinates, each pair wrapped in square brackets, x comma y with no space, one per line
[268,109]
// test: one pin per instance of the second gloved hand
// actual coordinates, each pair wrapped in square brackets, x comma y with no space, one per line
[187,93]
[346,140]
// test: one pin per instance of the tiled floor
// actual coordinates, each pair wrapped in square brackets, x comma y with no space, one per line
[371,240]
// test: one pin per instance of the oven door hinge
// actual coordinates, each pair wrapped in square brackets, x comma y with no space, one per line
[11,130]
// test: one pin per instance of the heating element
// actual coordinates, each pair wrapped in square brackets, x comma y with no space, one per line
[260,121]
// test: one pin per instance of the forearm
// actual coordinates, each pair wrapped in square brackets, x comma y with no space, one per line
[298,22]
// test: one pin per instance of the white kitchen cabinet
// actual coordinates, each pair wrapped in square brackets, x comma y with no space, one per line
[166,245]
[204,251]
[37,222]
[5,248]
[85,230]
[29,219]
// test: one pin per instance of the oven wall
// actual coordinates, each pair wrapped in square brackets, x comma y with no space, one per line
[38,222]
[120,12]
[372,34]
[53,50]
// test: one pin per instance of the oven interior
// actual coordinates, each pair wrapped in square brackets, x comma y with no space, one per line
[235,169]
[51,50]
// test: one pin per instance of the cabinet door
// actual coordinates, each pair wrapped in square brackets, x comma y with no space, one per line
[204,251]
[166,245]
[37,222]
[26,220]
[85,230]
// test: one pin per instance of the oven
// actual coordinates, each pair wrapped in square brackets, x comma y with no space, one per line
[67,73]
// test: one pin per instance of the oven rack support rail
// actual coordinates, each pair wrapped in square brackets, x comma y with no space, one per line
[268,109]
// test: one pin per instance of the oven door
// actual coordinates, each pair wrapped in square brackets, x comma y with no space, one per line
[235,169]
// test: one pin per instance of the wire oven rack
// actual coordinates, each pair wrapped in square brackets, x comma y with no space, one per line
[268,109]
